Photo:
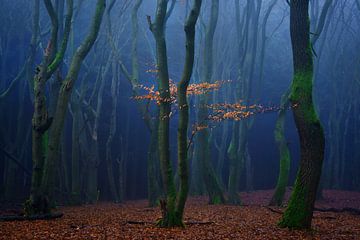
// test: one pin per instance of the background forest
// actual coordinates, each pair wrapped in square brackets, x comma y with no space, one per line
[109,144]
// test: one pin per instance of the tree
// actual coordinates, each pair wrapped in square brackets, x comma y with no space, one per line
[13,134]
[38,202]
[284,152]
[202,159]
[133,78]
[65,94]
[184,107]
[46,148]
[173,207]
[301,205]
[246,50]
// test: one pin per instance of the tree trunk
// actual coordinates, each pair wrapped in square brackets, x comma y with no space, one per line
[152,166]
[112,132]
[234,167]
[39,200]
[203,155]
[64,96]
[158,29]
[301,205]
[173,207]
[285,158]
[183,165]
[75,156]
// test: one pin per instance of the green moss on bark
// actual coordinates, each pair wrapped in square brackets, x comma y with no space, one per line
[301,95]
[296,215]
[284,152]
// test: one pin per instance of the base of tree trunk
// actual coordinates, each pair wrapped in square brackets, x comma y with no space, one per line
[276,200]
[169,218]
[37,205]
[234,200]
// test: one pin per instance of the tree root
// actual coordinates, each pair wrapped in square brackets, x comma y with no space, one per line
[274,210]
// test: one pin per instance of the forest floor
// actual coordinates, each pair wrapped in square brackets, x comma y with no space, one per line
[134,220]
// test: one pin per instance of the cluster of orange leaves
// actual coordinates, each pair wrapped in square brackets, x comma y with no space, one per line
[193,89]
[220,111]
[237,111]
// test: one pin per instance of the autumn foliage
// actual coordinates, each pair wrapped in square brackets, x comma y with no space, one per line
[193,89]
[218,111]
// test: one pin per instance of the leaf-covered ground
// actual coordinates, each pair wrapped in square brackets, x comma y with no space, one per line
[134,220]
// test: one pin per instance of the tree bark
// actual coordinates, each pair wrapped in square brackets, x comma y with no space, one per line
[64,96]
[202,154]
[183,166]
[301,205]
[158,29]
[173,207]
[285,158]
[39,201]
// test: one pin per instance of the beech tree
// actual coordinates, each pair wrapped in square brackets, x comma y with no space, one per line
[321,25]
[301,205]
[173,207]
[46,147]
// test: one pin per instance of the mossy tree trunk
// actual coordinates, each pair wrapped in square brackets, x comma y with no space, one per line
[158,29]
[301,205]
[45,154]
[285,158]
[41,122]
[183,165]
[173,207]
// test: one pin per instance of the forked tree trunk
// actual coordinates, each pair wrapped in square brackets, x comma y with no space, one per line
[38,202]
[173,207]
[45,171]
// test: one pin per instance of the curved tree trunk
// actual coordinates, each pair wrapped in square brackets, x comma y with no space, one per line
[285,158]
[301,205]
